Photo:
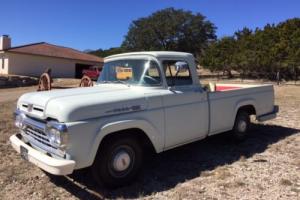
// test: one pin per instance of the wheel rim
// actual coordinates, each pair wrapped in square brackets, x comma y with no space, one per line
[242,126]
[122,161]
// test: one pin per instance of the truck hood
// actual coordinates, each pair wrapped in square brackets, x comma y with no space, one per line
[77,104]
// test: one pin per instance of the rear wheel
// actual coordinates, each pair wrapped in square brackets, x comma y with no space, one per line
[118,162]
[241,125]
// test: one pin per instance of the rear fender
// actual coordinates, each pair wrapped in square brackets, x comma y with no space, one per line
[245,102]
[241,103]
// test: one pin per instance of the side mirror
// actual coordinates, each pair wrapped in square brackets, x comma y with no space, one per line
[181,66]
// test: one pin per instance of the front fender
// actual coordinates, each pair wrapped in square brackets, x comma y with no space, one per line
[153,134]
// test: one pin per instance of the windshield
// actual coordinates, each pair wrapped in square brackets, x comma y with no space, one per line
[131,72]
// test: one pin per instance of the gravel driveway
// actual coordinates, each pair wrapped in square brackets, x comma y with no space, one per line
[266,166]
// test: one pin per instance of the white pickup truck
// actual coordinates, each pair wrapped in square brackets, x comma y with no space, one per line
[141,100]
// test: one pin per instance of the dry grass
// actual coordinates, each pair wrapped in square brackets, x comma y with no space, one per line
[297,190]
[206,173]
[286,182]
[233,184]
[243,158]
[266,166]
[222,173]
[6,124]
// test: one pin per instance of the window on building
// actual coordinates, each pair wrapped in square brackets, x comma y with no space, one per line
[2,63]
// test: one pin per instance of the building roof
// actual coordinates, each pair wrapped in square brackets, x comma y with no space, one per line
[50,50]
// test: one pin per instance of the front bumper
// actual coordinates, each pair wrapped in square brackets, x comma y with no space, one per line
[49,164]
[268,116]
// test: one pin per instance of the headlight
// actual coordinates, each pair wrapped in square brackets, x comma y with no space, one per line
[57,133]
[19,119]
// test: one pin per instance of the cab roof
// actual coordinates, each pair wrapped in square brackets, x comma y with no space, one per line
[153,53]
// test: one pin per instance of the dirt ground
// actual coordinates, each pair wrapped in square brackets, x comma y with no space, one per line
[12,94]
[265,166]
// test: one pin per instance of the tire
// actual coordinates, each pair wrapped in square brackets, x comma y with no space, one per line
[118,162]
[241,126]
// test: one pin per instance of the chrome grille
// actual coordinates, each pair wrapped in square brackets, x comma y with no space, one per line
[38,135]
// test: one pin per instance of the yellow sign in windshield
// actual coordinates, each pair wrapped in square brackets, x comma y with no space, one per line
[124,73]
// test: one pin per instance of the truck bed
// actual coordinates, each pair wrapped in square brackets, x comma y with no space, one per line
[227,98]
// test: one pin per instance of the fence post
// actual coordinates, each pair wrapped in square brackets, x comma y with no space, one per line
[278,77]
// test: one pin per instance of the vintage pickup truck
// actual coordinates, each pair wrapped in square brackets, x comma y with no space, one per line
[160,104]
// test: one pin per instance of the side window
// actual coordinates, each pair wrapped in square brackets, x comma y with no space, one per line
[177,72]
[152,74]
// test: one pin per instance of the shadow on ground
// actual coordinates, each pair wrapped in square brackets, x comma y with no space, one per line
[164,171]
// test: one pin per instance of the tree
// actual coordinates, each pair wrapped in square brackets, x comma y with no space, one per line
[289,47]
[170,29]
[244,54]
[259,53]
[107,52]
[220,55]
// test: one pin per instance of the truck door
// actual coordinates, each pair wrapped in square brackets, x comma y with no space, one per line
[186,106]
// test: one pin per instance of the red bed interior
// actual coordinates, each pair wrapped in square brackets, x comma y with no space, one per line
[224,88]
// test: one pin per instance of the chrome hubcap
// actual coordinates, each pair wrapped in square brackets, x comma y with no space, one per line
[121,161]
[242,126]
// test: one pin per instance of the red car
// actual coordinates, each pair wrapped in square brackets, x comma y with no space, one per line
[92,72]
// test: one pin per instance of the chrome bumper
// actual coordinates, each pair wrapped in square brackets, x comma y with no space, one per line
[268,116]
[52,165]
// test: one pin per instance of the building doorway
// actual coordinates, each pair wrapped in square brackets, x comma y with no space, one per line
[79,68]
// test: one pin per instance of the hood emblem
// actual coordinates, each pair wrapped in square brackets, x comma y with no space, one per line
[30,107]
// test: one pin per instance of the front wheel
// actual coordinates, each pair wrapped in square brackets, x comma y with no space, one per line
[241,126]
[118,162]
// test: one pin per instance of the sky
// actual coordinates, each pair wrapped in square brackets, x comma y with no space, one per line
[94,24]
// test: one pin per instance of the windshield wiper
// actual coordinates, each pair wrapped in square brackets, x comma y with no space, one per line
[123,82]
[116,81]
[105,82]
